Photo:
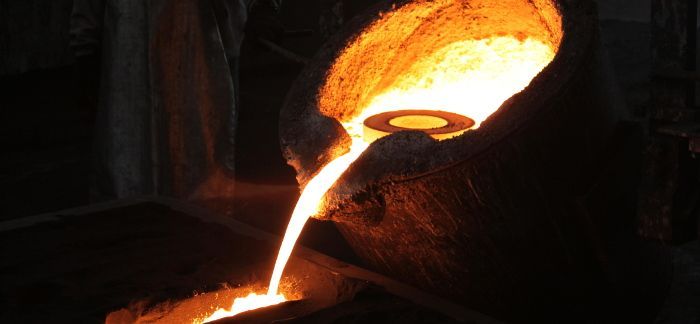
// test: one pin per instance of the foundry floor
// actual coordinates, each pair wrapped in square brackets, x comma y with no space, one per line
[151,257]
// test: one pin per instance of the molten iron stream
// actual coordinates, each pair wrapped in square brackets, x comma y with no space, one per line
[308,205]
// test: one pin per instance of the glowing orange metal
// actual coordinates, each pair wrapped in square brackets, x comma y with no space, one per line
[470,77]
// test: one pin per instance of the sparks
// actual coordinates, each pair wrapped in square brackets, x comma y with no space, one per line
[244,304]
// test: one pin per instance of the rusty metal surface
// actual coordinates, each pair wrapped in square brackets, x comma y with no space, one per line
[123,126]
[194,104]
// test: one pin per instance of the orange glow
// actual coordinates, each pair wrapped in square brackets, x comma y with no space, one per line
[418,122]
[308,205]
[471,78]
[242,304]
[416,57]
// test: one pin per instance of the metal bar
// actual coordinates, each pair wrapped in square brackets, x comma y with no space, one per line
[691,48]
[677,75]
[293,33]
[294,57]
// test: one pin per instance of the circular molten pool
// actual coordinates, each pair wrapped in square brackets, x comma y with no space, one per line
[437,124]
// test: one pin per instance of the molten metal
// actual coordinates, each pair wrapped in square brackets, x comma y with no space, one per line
[307,206]
[466,77]
[243,304]
[439,125]
[471,78]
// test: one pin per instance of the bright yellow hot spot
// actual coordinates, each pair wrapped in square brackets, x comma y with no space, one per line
[471,78]
[418,122]
[243,304]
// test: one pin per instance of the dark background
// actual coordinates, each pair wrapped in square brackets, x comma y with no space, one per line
[46,137]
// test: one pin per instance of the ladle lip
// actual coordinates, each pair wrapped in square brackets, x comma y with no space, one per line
[381,125]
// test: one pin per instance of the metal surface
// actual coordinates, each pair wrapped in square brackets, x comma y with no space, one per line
[689,131]
[667,163]
[691,48]
[283,52]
